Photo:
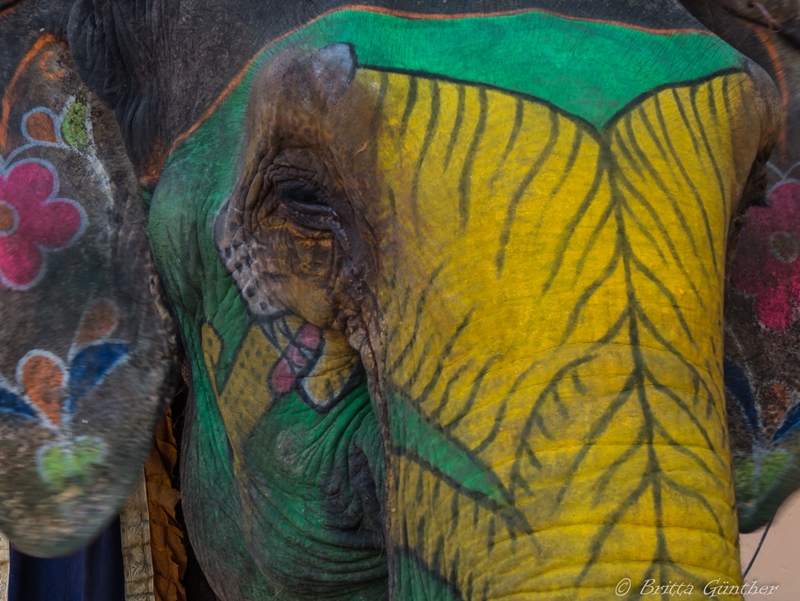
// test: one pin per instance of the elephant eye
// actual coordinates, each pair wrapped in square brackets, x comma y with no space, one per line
[301,196]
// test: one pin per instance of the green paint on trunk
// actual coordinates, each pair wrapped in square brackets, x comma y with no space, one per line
[415,437]
[414,580]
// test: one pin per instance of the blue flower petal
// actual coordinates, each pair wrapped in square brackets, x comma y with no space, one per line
[738,385]
[11,403]
[90,366]
[790,423]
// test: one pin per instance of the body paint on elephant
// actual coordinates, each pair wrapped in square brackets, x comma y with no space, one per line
[626,175]
[761,353]
[34,221]
[48,389]
[591,216]
[762,336]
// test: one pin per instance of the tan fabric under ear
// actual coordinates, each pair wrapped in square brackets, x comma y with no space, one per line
[167,546]
[137,558]
[5,564]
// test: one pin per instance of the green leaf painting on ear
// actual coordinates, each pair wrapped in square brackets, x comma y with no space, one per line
[63,463]
[75,123]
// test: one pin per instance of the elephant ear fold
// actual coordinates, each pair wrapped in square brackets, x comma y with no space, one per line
[333,69]
[315,81]
[87,347]
[762,352]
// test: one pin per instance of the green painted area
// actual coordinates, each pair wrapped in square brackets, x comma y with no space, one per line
[763,481]
[194,185]
[576,65]
[588,69]
[73,125]
[415,437]
[756,476]
[207,477]
[310,530]
[416,581]
[62,464]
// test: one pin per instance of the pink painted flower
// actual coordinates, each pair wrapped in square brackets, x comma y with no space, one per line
[766,264]
[32,222]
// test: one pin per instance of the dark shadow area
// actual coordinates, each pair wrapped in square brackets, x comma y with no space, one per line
[94,573]
[194,581]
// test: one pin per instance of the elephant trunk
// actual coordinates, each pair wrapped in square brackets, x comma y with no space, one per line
[553,368]
[558,477]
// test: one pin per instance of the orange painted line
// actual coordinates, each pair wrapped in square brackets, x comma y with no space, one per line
[8,11]
[8,94]
[780,75]
[403,15]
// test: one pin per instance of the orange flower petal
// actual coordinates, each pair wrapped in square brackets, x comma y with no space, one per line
[40,126]
[98,320]
[774,400]
[44,384]
[7,220]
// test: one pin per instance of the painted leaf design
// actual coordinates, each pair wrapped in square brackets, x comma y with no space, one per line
[74,127]
[65,462]
[90,365]
[579,363]
[11,403]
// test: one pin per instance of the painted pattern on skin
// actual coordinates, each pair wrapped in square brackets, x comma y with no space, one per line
[48,390]
[620,296]
[608,259]
[33,221]
[763,409]
[767,419]
[771,271]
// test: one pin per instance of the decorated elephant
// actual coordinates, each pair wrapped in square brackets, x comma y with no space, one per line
[448,278]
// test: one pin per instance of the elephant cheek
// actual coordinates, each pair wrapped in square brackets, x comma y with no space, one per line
[87,346]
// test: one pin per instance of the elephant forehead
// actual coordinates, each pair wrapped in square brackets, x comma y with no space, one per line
[531,52]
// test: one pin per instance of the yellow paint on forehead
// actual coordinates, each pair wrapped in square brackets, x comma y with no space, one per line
[556,297]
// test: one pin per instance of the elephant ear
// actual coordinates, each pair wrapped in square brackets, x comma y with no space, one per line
[762,354]
[87,348]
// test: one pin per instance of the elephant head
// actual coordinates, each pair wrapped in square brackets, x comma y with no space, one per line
[450,289]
